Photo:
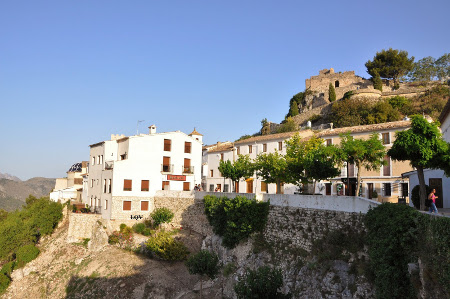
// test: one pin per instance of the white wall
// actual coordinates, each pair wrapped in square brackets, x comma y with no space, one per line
[428,173]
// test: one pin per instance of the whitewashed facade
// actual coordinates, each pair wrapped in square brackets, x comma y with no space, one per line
[126,172]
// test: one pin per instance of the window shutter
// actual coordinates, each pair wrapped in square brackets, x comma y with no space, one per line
[186,186]
[145,185]
[144,205]
[167,145]
[127,205]
[187,147]
[127,185]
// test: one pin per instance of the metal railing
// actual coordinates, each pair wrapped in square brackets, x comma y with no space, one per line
[109,165]
[168,168]
[188,169]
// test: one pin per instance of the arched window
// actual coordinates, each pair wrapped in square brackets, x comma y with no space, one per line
[336,83]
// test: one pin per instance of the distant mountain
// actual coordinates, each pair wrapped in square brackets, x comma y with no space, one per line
[9,177]
[13,193]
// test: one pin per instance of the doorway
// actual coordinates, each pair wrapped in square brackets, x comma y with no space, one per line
[437,184]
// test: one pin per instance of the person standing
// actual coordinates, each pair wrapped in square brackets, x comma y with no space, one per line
[432,197]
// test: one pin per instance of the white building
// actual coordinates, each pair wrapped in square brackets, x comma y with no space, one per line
[126,172]
[436,178]
[70,187]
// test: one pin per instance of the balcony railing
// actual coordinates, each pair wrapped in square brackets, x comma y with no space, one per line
[188,169]
[109,165]
[168,168]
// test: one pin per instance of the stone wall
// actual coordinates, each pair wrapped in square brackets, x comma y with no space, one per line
[299,227]
[119,214]
[189,211]
[81,226]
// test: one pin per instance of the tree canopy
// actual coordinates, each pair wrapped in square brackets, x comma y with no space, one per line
[390,64]
[241,168]
[271,167]
[423,146]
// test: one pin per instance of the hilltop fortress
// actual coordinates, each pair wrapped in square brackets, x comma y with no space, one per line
[317,101]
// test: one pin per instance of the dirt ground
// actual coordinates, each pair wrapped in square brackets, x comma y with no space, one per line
[65,270]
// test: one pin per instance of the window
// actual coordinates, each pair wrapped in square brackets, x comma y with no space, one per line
[225,188]
[166,164]
[264,187]
[106,204]
[186,186]
[187,147]
[211,188]
[250,149]
[104,186]
[167,145]
[387,167]
[385,138]
[78,181]
[265,147]
[109,186]
[127,185]
[101,159]
[211,172]
[238,151]
[221,157]
[336,83]
[387,189]
[144,205]
[98,159]
[165,185]
[405,189]
[145,185]
[329,142]
[187,166]
[236,187]
[280,145]
[351,170]
[127,205]
[92,183]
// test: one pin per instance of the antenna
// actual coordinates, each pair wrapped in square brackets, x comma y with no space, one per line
[137,126]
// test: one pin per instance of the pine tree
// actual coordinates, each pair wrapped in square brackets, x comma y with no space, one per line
[377,83]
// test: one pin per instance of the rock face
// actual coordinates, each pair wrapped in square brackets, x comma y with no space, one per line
[99,237]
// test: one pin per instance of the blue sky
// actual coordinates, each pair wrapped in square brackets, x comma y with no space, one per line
[74,72]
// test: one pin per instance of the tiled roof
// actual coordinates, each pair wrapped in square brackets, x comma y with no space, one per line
[195,133]
[445,112]
[221,147]
[366,128]
[268,137]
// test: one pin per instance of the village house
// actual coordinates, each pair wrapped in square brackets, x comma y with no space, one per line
[125,172]
[387,181]
[70,187]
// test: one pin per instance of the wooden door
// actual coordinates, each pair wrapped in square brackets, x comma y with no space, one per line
[370,189]
[437,184]
[250,186]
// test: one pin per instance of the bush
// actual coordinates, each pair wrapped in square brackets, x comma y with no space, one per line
[26,254]
[162,215]
[235,219]
[139,228]
[8,268]
[147,231]
[203,263]
[165,247]
[4,282]
[261,283]
[392,232]
[124,237]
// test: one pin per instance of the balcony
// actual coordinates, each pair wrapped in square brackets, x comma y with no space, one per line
[167,168]
[188,170]
[109,165]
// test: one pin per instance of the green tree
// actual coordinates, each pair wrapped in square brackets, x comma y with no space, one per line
[310,161]
[242,168]
[293,109]
[368,154]
[377,83]
[331,93]
[288,125]
[260,284]
[423,146]
[424,70]
[443,67]
[272,168]
[203,263]
[390,64]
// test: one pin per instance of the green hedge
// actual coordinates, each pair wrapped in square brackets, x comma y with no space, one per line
[235,219]
[26,254]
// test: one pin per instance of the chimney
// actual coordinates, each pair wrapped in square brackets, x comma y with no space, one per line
[152,129]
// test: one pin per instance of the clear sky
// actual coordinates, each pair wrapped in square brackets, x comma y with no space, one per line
[74,72]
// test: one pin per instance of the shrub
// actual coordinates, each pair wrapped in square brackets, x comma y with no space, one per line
[124,237]
[4,282]
[26,254]
[146,231]
[8,268]
[162,215]
[203,263]
[392,240]
[236,218]
[165,247]
[122,226]
[261,283]
[139,228]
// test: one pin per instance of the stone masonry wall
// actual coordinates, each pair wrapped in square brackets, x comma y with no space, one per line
[298,227]
[81,226]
